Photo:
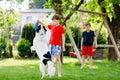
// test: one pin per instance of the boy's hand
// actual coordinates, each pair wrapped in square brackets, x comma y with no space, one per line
[95,46]
[40,22]
[63,48]
[81,48]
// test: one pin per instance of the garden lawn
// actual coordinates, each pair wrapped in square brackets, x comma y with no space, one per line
[28,69]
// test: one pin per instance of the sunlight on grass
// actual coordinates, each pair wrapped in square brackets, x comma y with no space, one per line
[28,69]
[17,62]
[95,67]
[101,61]
[70,60]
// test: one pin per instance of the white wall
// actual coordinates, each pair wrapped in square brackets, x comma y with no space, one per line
[35,15]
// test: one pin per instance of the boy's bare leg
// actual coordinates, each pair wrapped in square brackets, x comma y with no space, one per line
[90,61]
[58,65]
[83,61]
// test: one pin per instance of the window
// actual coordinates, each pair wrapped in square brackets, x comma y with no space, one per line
[29,19]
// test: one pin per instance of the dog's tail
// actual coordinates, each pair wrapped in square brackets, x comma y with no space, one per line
[51,68]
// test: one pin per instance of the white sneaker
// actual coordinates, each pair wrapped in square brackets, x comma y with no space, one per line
[59,75]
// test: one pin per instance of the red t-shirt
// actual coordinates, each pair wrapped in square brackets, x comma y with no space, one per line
[56,32]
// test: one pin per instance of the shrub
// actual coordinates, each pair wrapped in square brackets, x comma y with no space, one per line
[76,33]
[102,38]
[3,46]
[28,32]
[23,47]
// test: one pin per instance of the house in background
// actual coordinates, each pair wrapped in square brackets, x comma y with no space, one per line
[32,15]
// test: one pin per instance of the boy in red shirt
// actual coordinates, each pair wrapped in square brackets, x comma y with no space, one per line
[57,32]
[88,41]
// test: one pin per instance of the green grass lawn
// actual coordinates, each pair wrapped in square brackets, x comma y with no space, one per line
[28,69]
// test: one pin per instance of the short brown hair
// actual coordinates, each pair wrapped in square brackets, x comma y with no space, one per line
[87,24]
[56,16]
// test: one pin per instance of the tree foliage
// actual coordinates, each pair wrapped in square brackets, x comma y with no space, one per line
[65,8]
[2,18]
[36,3]
[7,19]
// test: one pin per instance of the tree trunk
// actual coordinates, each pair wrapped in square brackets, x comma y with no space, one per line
[0,54]
[10,46]
[10,51]
[114,26]
[112,54]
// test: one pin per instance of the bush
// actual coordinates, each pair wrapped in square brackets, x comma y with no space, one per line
[23,47]
[77,34]
[3,46]
[102,38]
[28,32]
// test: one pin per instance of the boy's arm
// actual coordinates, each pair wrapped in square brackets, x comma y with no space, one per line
[40,22]
[95,43]
[81,42]
[63,42]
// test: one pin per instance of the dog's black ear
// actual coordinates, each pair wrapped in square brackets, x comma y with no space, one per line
[47,55]
[39,27]
[44,28]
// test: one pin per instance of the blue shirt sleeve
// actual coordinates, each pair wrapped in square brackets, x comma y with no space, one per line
[93,33]
[83,34]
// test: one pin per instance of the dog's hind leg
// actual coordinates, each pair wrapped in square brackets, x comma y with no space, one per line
[51,69]
[42,70]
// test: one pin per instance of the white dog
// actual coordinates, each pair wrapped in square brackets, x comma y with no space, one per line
[40,45]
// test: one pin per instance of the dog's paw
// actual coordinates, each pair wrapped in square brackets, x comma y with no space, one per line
[32,49]
[42,78]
